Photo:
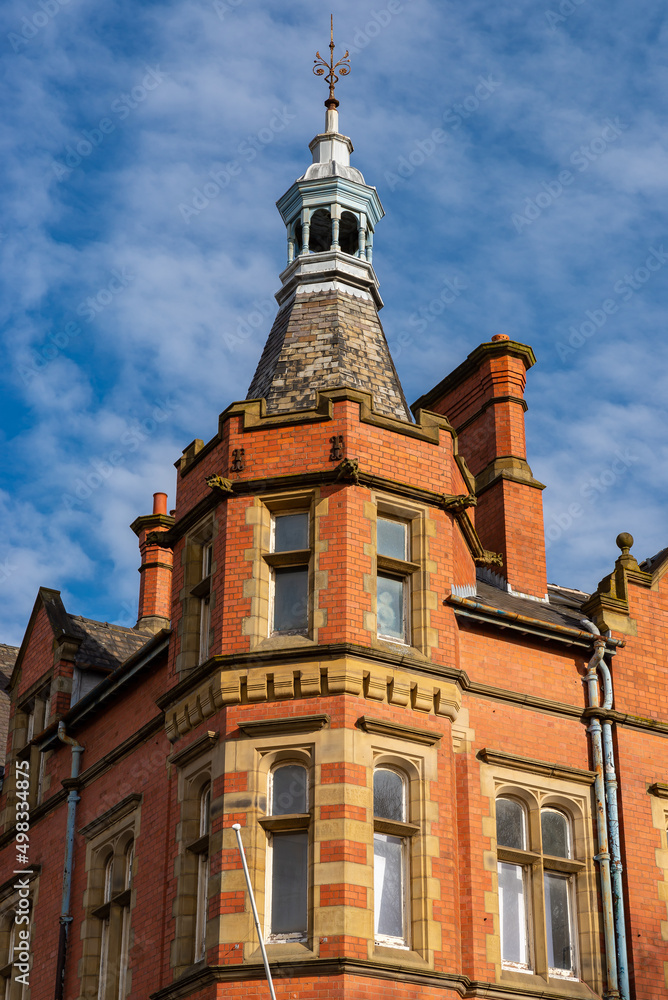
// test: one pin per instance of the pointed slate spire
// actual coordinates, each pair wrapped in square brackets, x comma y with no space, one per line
[327,333]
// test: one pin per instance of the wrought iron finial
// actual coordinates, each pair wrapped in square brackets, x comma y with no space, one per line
[320,68]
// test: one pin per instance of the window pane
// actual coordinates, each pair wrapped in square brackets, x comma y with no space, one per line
[388,795]
[204,627]
[289,790]
[391,538]
[290,532]
[510,824]
[207,556]
[513,914]
[391,607]
[288,882]
[205,812]
[557,915]
[554,826]
[388,885]
[291,599]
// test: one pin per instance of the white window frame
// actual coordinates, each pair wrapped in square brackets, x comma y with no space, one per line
[295,936]
[202,899]
[124,954]
[527,922]
[104,931]
[537,865]
[386,940]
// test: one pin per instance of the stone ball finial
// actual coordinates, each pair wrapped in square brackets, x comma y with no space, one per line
[624,541]
[500,336]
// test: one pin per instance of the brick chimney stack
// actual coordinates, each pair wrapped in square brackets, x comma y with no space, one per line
[484,401]
[155,587]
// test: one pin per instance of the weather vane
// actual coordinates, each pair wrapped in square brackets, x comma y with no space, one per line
[320,67]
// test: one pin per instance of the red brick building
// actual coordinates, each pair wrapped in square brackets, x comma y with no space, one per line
[450,777]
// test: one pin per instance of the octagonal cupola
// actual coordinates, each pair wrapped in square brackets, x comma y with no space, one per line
[330,207]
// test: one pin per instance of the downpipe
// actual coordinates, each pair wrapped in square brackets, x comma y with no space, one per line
[72,799]
[615,847]
[609,850]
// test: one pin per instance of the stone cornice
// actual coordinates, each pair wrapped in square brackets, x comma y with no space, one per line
[659,789]
[196,979]
[151,522]
[517,470]
[295,655]
[255,683]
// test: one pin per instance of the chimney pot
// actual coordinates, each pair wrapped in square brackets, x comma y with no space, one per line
[159,503]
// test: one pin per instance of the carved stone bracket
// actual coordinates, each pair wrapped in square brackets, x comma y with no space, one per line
[162,539]
[457,503]
[489,558]
[349,469]
[219,483]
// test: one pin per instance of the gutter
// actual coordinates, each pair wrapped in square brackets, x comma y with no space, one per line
[511,619]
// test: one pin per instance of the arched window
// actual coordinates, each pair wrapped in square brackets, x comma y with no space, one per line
[348,233]
[558,888]
[390,853]
[288,827]
[535,861]
[124,902]
[511,833]
[104,913]
[321,231]
[202,846]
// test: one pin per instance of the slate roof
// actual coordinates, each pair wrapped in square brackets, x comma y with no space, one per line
[649,565]
[563,607]
[327,340]
[105,646]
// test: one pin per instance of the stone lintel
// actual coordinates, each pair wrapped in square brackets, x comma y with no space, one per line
[384,727]
[290,724]
[501,759]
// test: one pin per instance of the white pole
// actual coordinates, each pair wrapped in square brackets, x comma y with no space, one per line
[237,829]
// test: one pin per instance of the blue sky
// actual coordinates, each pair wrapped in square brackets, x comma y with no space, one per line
[129,323]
